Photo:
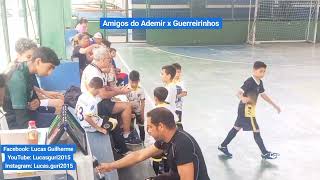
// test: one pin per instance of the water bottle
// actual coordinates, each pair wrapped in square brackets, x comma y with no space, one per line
[33,134]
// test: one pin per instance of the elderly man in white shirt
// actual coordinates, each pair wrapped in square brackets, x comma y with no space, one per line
[102,61]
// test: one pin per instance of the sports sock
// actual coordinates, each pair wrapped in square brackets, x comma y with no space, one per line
[259,141]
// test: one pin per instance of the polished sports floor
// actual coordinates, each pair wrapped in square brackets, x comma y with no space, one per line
[213,75]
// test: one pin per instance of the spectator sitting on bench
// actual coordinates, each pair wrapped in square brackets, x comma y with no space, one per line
[106,107]
[87,108]
[20,100]
[87,114]
[25,48]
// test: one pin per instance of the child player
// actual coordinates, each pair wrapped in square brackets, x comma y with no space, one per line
[87,114]
[181,92]
[87,109]
[137,100]
[246,120]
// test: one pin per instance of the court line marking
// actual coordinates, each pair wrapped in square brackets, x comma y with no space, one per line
[157,49]
[205,59]
[230,62]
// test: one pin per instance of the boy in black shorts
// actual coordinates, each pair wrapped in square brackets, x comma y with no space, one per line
[136,98]
[88,116]
[248,95]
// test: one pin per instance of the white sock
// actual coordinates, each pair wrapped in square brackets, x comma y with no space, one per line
[126,135]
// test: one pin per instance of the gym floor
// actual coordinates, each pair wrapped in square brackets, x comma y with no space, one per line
[213,75]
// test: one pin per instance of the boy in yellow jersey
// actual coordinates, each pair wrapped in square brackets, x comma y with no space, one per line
[159,163]
[137,100]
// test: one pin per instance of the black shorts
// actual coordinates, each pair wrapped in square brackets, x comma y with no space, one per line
[105,108]
[139,121]
[179,114]
[247,123]
[246,118]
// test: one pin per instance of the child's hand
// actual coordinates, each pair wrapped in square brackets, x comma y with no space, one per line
[245,100]
[34,104]
[133,116]
[54,95]
[125,90]
[102,130]
[278,109]
[104,167]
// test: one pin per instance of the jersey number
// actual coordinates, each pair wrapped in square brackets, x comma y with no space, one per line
[80,114]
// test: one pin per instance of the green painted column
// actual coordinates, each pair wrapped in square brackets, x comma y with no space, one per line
[25,16]
[67,14]
[54,17]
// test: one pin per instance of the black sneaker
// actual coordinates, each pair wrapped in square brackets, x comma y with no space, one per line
[225,151]
[270,155]
[134,133]
[132,140]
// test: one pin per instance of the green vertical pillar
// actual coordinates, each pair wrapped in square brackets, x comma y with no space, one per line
[67,13]
[52,17]
[25,16]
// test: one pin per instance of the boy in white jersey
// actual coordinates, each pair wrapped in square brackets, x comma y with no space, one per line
[87,114]
[181,92]
[87,109]
[167,74]
[137,100]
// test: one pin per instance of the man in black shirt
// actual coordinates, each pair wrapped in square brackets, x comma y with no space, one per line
[184,155]
[20,100]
